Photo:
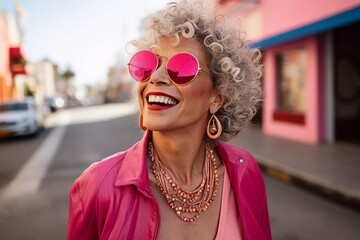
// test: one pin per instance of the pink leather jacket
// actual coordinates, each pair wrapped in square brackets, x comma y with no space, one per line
[112,199]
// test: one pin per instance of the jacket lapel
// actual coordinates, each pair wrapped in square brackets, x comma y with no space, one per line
[235,166]
[133,169]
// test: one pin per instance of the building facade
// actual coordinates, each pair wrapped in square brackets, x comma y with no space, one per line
[12,61]
[41,80]
[311,66]
[6,84]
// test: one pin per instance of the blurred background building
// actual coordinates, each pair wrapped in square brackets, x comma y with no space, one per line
[44,80]
[119,84]
[12,60]
[41,80]
[311,66]
[20,78]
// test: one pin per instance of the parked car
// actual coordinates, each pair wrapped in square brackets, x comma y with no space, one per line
[20,118]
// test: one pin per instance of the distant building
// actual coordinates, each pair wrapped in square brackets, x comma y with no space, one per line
[12,61]
[113,87]
[311,65]
[42,80]
[119,86]
[6,83]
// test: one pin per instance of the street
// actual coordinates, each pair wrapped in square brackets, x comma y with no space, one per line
[36,174]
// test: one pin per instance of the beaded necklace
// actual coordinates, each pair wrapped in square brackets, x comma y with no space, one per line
[188,205]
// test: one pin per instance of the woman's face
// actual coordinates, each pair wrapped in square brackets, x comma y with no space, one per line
[192,100]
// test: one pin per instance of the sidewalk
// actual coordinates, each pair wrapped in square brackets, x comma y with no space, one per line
[333,170]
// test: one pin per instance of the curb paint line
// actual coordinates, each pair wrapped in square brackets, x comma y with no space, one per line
[324,191]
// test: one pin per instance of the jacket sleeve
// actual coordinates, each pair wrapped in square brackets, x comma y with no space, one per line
[264,206]
[77,228]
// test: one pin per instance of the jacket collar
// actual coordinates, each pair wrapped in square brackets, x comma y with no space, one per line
[133,168]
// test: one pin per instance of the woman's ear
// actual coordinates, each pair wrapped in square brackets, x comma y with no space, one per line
[217,102]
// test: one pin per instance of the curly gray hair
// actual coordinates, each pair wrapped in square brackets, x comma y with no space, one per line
[234,66]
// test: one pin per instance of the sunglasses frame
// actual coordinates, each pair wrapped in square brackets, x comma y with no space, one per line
[166,67]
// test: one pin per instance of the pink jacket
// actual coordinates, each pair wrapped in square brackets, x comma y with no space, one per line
[112,199]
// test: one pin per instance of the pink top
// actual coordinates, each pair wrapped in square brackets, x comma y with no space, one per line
[229,227]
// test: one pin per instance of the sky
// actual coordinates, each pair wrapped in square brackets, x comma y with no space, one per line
[87,36]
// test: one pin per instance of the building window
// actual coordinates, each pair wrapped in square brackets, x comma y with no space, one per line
[291,74]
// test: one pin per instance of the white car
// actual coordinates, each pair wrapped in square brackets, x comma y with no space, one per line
[20,118]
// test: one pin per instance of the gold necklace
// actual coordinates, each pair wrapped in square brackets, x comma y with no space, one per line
[187,204]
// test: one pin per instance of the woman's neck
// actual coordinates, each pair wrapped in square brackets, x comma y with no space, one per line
[182,153]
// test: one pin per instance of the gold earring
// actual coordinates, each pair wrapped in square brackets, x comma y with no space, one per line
[141,122]
[214,128]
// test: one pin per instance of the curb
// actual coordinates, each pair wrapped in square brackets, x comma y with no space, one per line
[337,194]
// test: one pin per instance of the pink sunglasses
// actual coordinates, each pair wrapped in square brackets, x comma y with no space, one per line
[182,68]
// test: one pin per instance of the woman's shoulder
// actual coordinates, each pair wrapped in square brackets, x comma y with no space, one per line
[105,165]
[241,162]
[234,154]
[97,172]
[244,168]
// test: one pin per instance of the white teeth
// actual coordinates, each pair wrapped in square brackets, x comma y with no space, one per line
[161,99]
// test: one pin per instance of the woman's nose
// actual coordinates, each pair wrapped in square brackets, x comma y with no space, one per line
[160,75]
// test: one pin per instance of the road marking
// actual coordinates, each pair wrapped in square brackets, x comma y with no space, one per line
[30,176]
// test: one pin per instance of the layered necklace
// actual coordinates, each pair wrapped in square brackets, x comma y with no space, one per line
[188,205]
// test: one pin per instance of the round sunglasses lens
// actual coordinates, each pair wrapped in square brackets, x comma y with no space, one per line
[142,65]
[182,68]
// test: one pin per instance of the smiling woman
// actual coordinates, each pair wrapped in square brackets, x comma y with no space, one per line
[198,85]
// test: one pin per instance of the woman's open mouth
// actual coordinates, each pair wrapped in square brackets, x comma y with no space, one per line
[160,101]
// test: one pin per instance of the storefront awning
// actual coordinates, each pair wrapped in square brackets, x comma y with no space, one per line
[15,52]
[17,61]
[333,22]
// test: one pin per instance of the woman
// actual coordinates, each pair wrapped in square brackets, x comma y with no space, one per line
[198,85]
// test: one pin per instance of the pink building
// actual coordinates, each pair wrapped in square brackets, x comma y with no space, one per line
[12,61]
[6,90]
[311,65]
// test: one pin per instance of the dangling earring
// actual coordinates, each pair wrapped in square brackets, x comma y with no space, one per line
[214,128]
[141,122]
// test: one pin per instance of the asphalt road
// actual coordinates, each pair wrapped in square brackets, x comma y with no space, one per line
[76,138]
